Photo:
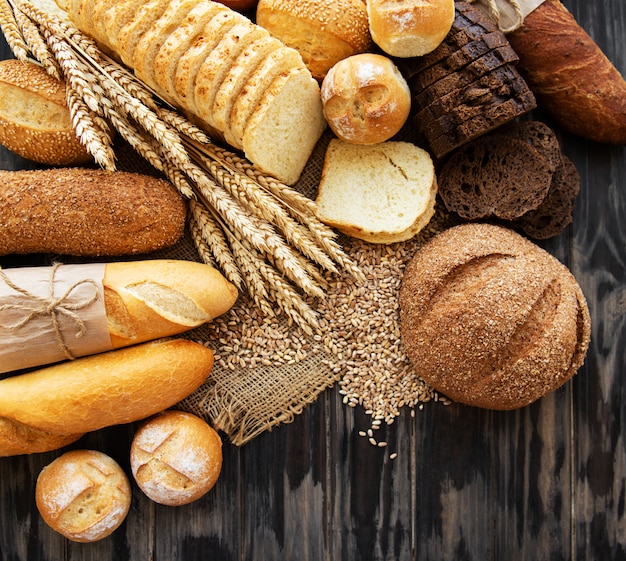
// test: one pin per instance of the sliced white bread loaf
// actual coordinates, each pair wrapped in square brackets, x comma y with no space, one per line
[226,74]
[380,193]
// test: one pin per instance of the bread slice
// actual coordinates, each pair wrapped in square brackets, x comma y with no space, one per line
[494,176]
[131,33]
[283,130]
[277,62]
[236,77]
[177,43]
[190,61]
[216,65]
[151,41]
[110,21]
[381,193]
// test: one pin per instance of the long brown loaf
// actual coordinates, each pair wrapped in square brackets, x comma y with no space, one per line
[571,77]
[87,212]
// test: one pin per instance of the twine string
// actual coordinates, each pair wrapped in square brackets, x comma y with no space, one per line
[494,11]
[54,307]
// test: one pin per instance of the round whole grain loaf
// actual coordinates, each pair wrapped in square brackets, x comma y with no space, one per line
[490,319]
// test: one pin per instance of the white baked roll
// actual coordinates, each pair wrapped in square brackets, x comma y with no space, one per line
[409,28]
[365,99]
[84,495]
[176,458]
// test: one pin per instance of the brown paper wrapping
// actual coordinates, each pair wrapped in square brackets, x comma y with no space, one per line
[50,314]
[510,13]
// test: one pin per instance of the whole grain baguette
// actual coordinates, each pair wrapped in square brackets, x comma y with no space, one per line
[35,121]
[87,212]
[43,409]
[571,77]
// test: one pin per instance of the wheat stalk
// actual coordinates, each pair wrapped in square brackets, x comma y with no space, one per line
[262,234]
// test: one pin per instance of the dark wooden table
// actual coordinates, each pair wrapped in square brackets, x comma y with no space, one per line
[546,482]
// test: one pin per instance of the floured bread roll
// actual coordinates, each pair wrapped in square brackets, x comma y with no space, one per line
[176,458]
[490,319]
[84,495]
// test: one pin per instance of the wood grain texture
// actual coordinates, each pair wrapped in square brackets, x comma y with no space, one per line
[547,482]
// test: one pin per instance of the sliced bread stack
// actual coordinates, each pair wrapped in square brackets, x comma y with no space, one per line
[379,193]
[468,85]
[516,174]
[224,72]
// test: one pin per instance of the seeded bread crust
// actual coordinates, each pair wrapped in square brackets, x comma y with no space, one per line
[525,325]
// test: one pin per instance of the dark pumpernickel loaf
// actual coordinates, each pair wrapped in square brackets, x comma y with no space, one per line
[481,124]
[447,121]
[494,176]
[491,320]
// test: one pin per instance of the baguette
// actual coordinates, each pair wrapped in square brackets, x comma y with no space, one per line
[141,301]
[35,122]
[52,406]
[571,77]
[151,299]
[87,212]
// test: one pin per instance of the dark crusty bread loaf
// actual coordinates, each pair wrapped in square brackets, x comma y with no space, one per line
[490,319]
[87,212]
[494,176]
[572,78]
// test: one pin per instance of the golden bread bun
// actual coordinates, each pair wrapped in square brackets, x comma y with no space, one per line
[322,32]
[409,28]
[176,458]
[35,121]
[83,494]
[490,319]
[365,99]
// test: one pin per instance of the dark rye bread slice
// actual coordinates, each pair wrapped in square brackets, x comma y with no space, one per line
[481,124]
[484,92]
[554,214]
[480,67]
[463,56]
[539,135]
[454,41]
[494,177]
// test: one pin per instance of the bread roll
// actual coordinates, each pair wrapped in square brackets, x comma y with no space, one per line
[35,121]
[97,391]
[571,77]
[87,212]
[322,32]
[84,495]
[490,319]
[176,458]
[383,193]
[409,28]
[365,99]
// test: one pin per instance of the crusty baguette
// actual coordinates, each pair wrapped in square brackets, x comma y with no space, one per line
[35,121]
[90,393]
[87,212]
[141,301]
[146,300]
[571,77]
